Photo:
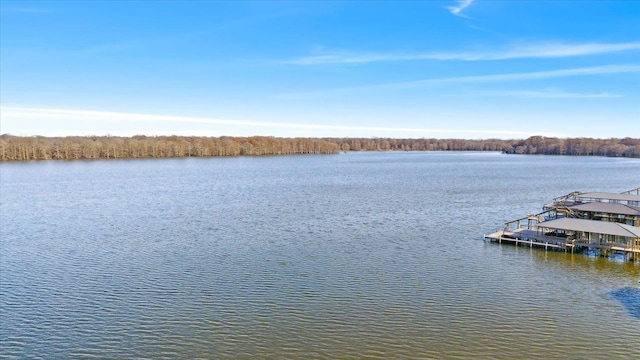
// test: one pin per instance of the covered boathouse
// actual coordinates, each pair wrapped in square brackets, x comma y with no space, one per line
[597,222]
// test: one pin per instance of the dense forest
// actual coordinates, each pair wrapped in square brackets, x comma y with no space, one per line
[14,148]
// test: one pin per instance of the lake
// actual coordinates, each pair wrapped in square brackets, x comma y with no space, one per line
[357,255]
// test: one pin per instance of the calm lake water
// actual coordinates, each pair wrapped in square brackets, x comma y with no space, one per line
[357,255]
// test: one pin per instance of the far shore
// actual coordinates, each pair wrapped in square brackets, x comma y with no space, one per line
[21,148]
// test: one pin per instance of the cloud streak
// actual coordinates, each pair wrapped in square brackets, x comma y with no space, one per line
[457,10]
[537,51]
[525,76]
[21,113]
[546,94]
[536,75]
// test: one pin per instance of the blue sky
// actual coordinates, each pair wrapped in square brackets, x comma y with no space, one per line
[403,69]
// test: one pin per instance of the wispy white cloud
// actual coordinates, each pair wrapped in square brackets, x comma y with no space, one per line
[90,115]
[529,51]
[22,114]
[461,5]
[545,94]
[535,75]
[524,76]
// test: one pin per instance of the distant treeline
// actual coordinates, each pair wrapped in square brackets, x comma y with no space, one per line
[14,148]
[137,147]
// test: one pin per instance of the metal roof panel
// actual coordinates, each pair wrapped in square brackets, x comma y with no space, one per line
[592,226]
[609,196]
[610,208]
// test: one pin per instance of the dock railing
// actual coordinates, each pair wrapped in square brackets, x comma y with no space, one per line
[528,222]
[635,191]
[563,201]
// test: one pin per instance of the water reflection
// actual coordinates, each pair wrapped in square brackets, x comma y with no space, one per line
[629,297]
[598,266]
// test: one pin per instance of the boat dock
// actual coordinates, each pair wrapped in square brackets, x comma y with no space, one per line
[600,223]
[529,238]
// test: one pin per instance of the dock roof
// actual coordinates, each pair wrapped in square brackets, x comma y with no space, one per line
[609,196]
[592,226]
[610,208]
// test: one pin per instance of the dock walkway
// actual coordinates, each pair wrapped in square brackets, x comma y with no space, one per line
[531,238]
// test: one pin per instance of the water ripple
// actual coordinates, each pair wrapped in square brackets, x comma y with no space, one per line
[290,257]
